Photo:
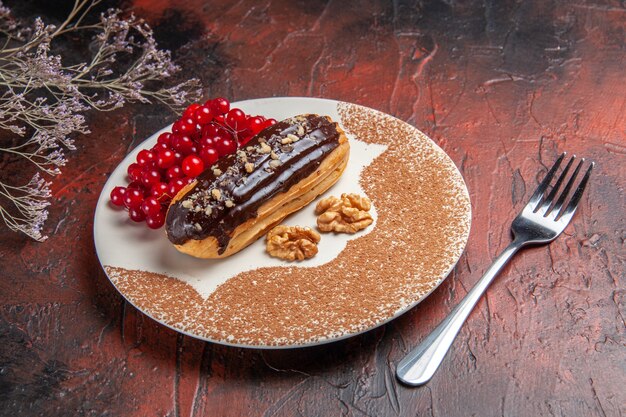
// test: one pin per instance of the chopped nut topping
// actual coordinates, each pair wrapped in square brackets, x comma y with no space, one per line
[217,172]
[273,155]
[292,243]
[187,204]
[197,208]
[285,141]
[300,130]
[229,203]
[216,194]
[208,211]
[347,214]
[197,226]
[249,148]
[249,167]
[293,138]
[274,163]
[264,148]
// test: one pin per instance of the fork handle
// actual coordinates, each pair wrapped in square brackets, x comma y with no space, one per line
[418,367]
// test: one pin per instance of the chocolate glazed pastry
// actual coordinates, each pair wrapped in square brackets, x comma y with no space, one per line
[243,195]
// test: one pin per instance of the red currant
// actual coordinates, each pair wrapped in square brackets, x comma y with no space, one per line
[159,190]
[133,198]
[175,186]
[189,111]
[193,166]
[225,146]
[203,115]
[136,214]
[269,122]
[151,206]
[206,141]
[159,147]
[209,155]
[166,159]
[134,172]
[150,177]
[165,138]
[182,144]
[236,119]
[220,119]
[144,157]
[136,185]
[219,106]
[187,126]
[244,139]
[209,131]
[173,173]
[117,196]
[255,124]
[156,221]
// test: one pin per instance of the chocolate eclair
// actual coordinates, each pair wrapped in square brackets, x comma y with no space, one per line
[242,196]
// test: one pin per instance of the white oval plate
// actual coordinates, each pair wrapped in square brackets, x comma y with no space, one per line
[183,293]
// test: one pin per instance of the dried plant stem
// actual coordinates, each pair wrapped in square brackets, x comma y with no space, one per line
[42,101]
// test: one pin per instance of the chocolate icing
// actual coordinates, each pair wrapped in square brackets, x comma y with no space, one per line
[246,191]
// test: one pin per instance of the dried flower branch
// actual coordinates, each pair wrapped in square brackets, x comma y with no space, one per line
[42,101]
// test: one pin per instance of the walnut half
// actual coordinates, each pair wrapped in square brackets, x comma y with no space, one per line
[292,243]
[347,214]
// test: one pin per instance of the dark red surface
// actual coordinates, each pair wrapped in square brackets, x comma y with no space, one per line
[503,87]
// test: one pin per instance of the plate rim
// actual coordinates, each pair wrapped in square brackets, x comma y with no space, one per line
[102,201]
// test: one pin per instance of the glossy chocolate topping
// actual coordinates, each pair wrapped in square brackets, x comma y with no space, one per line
[231,191]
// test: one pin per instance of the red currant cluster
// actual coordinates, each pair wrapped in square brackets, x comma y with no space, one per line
[198,139]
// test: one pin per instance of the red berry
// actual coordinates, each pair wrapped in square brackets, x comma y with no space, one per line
[133,198]
[220,119]
[136,214]
[159,147]
[159,190]
[219,106]
[236,119]
[150,177]
[134,172]
[166,159]
[151,206]
[209,131]
[189,111]
[175,186]
[255,124]
[176,126]
[144,157]
[203,115]
[173,173]
[165,138]
[193,166]
[136,185]
[156,221]
[187,126]
[269,122]
[225,146]
[209,155]
[245,139]
[206,141]
[182,144]
[117,196]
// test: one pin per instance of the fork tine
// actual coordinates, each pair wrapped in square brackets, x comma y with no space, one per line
[545,206]
[536,197]
[567,213]
[568,187]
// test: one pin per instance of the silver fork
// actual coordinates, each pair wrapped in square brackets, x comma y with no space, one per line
[539,222]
